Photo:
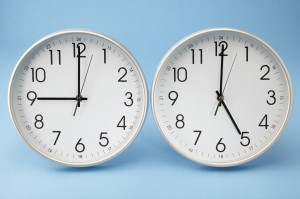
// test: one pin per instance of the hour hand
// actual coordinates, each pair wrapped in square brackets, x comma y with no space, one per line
[60,98]
[228,112]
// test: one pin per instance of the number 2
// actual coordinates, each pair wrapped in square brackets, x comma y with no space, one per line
[268,70]
[125,73]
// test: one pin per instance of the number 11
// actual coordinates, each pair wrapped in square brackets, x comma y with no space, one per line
[193,56]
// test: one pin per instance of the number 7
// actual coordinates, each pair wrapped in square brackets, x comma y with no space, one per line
[58,134]
[199,133]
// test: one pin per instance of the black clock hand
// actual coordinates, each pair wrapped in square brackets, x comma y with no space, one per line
[60,98]
[228,112]
[226,83]
[221,73]
[77,105]
[78,86]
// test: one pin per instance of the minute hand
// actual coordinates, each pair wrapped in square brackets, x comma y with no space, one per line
[222,93]
[229,114]
[78,73]
[77,105]
[221,72]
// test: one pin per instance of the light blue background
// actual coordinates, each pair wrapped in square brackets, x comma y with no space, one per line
[149,168]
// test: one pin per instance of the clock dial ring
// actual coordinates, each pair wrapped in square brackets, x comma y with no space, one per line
[167,88]
[101,63]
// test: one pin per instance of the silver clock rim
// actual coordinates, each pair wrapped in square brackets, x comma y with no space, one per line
[98,34]
[264,149]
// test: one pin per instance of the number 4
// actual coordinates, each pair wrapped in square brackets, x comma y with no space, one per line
[264,122]
[122,123]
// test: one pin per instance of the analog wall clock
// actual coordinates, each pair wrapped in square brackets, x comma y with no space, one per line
[221,97]
[78,97]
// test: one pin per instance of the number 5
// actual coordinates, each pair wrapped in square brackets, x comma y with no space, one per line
[245,138]
[102,137]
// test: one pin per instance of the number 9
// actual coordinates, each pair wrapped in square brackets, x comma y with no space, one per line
[31,96]
[172,97]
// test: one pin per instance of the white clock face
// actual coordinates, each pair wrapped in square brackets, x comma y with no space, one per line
[78,97]
[221,97]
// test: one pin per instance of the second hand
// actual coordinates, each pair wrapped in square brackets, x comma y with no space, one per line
[77,104]
[219,104]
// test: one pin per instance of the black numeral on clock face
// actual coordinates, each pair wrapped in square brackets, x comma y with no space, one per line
[245,140]
[220,147]
[122,123]
[180,74]
[51,57]
[104,55]
[247,53]
[78,49]
[58,134]
[39,121]
[31,96]
[104,141]
[193,56]
[130,100]
[124,71]
[271,101]
[38,74]
[179,121]
[173,96]
[267,69]
[264,122]
[79,147]
[198,136]
[223,45]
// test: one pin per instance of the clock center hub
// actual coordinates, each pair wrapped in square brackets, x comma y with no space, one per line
[79,98]
[220,98]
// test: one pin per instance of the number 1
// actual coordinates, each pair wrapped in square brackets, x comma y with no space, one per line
[246,53]
[104,54]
